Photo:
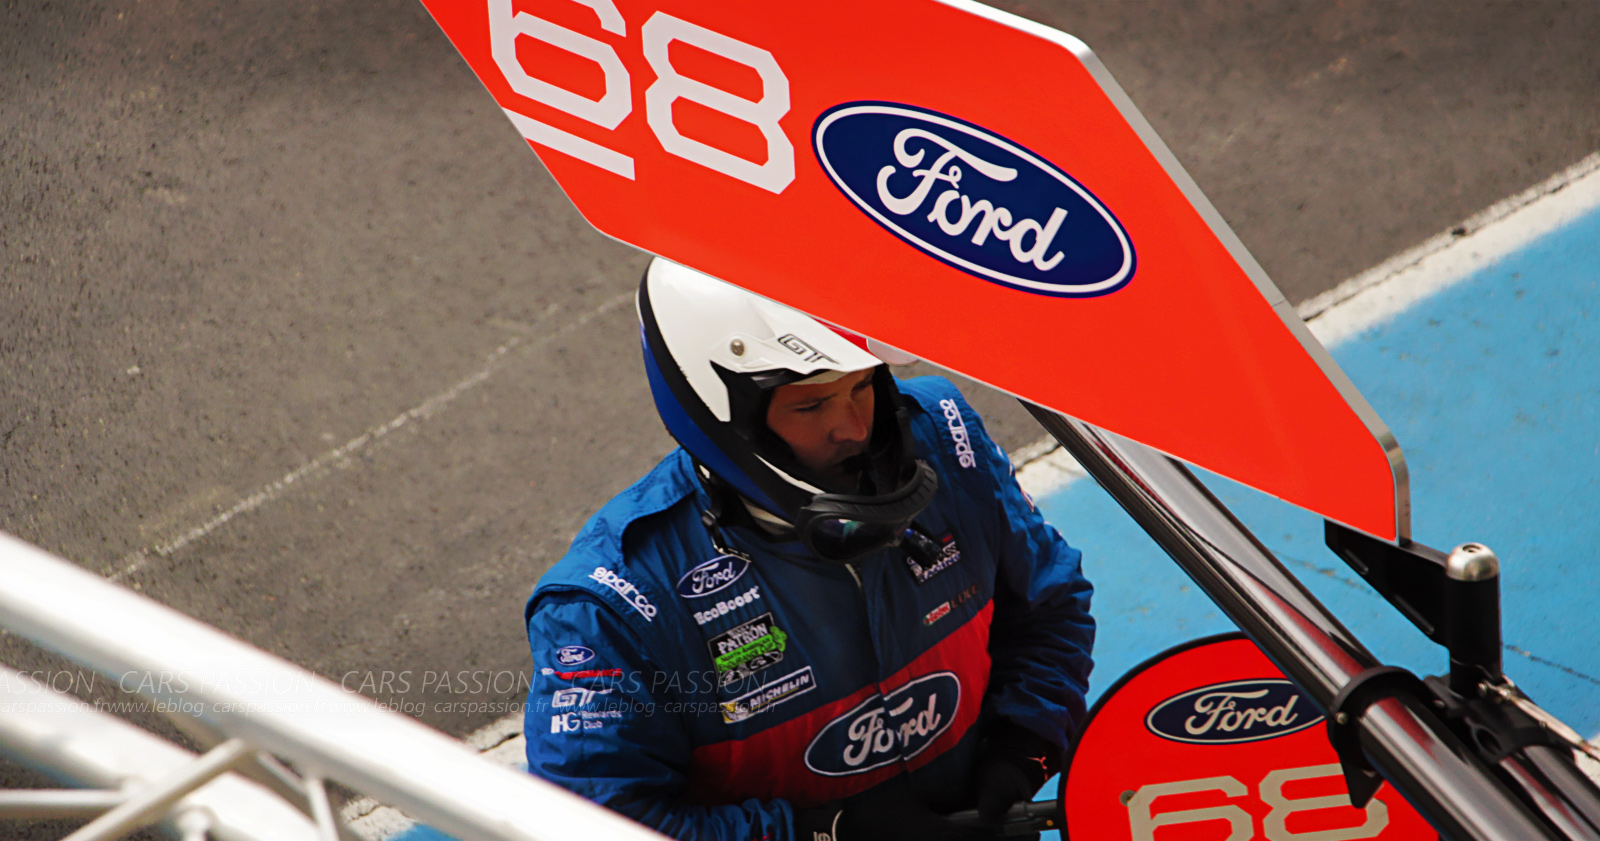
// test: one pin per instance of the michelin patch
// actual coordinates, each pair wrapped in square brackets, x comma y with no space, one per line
[769,695]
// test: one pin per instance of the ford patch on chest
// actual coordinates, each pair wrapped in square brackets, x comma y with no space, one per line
[711,576]
[973,199]
[886,729]
[1233,712]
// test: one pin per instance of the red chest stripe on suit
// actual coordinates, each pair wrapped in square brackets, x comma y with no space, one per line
[773,763]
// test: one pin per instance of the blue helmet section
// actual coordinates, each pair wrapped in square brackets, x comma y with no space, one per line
[693,439]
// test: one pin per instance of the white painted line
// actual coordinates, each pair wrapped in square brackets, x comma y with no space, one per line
[1049,472]
[1376,296]
[1385,271]
[339,456]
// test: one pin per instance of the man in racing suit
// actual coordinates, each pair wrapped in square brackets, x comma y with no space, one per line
[832,614]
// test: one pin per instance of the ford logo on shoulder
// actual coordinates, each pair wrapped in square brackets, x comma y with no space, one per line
[1230,713]
[711,576]
[886,728]
[572,655]
[973,199]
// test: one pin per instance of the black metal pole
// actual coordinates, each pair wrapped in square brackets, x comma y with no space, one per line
[1401,736]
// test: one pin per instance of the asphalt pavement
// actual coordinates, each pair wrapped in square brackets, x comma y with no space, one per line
[298,337]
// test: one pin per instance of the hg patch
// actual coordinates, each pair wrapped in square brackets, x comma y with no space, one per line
[745,649]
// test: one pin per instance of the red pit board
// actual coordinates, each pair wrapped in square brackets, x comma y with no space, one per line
[951,180]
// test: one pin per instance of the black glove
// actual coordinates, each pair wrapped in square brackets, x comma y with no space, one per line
[890,811]
[1013,763]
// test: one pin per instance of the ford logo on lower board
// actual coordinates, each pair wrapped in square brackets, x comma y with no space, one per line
[711,576]
[973,199]
[1234,712]
[886,729]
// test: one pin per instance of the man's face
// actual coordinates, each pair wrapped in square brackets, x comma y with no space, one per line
[825,423]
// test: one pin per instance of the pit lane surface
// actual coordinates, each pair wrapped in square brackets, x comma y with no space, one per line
[299,338]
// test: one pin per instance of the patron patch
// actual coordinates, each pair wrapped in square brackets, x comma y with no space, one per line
[885,729]
[746,649]
[973,199]
[768,695]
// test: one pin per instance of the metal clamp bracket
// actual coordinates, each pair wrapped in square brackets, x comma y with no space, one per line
[1501,720]
[1344,723]
[1452,597]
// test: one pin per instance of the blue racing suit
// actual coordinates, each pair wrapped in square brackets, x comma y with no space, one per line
[710,693]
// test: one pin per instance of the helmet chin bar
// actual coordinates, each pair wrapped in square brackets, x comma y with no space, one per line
[844,527]
[838,528]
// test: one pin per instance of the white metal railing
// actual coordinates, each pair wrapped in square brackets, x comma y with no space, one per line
[258,707]
[112,759]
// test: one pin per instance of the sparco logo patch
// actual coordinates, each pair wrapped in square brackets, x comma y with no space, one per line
[743,650]
[886,729]
[973,199]
[627,591]
[711,576]
[768,695]
[572,655]
[722,608]
[1234,712]
[958,433]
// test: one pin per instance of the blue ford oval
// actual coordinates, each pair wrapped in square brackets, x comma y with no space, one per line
[1233,712]
[973,199]
[713,575]
[572,655]
[883,730]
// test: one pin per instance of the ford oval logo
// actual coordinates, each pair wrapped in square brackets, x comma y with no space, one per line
[886,729]
[1230,713]
[973,199]
[572,655]
[711,576]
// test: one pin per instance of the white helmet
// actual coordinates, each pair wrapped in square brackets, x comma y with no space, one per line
[714,353]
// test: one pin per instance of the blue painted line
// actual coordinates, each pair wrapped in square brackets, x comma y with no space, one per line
[1492,387]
